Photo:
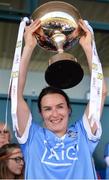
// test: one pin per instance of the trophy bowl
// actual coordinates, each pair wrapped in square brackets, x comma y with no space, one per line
[59,21]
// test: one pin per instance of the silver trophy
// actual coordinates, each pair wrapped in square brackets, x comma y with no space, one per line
[59,20]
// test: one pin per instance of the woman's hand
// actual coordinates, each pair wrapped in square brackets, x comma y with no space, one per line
[30,33]
[84,34]
[86,37]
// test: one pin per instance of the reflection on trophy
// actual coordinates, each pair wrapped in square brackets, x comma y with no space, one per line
[59,20]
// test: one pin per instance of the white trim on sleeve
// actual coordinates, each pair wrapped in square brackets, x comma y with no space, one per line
[91,136]
[24,137]
[107,160]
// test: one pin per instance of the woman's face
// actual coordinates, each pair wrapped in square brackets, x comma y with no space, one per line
[4,135]
[55,113]
[15,162]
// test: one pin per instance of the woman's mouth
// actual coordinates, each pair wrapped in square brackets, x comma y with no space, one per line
[56,121]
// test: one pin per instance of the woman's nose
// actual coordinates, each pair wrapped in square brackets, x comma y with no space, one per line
[22,162]
[54,112]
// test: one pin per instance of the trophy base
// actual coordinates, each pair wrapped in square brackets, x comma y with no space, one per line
[64,74]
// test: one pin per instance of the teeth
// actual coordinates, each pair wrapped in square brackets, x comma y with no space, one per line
[55,121]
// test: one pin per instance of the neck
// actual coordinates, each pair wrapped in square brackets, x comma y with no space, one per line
[58,133]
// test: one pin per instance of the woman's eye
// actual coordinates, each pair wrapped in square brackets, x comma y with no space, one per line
[47,109]
[60,107]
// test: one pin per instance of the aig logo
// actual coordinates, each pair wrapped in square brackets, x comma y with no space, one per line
[58,156]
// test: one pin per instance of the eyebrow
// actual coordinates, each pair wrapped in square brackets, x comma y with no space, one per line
[5,130]
[8,155]
[44,107]
[16,157]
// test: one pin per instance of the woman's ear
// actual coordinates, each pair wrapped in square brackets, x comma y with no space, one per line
[70,112]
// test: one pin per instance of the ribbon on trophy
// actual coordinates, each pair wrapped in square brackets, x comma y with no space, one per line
[95,85]
[13,84]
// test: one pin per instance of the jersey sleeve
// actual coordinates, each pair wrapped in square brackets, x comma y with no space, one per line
[87,128]
[25,135]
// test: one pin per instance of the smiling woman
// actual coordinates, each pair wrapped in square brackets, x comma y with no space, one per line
[56,149]
[11,162]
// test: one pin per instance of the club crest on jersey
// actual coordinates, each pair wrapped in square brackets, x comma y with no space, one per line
[72,134]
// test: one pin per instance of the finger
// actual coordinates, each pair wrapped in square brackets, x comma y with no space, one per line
[83,26]
[32,28]
[35,23]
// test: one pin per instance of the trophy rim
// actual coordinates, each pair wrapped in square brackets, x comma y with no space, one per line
[55,6]
[56,11]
